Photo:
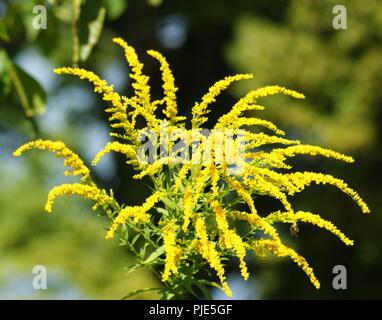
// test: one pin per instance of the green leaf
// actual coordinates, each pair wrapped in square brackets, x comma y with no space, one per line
[210,283]
[169,203]
[182,188]
[135,239]
[3,32]
[31,95]
[157,253]
[125,232]
[188,286]
[133,267]
[205,291]
[75,32]
[162,211]
[115,8]
[5,80]
[135,292]
[155,3]
[142,251]
[90,26]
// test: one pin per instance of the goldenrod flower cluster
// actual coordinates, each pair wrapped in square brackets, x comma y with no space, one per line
[173,251]
[191,216]
[71,160]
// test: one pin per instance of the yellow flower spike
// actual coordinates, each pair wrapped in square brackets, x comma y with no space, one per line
[214,179]
[197,190]
[304,179]
[151,169]
[169,87]
[267,181]
[134,212]
[239,122]
[226,289]
[200,182]
[282,250]
[200,109]
[71,159]
[248,102]
[141,87]
[230,238]
[314,219]
[311,150]
[116,146]
[148,115]
[272,90]
[262,186]
[182,173]
[86,191]
[227,119]
[208,252]
[191,196]
[172,251]
[152,200]
[187,206]
[101,86]
[253,218]
[264,159]
[137,213]
[186,167]
[255,140]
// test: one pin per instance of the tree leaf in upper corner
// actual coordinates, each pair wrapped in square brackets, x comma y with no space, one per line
[31,95]
[115,8]
[76,4]
[154,3]
[5,81]
[90,26]
[3,32]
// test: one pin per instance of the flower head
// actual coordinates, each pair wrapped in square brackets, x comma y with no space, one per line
[198,177]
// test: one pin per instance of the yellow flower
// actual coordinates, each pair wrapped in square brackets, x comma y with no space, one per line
[198,193]
[192,195]
[169,88]
[152,200]
[153,168]
[315,219]
[253,217]
[90,192]
[282,250]
[116,146]
[304,179]
[311,150]
[173,251]
[137,213]
[239,122]
[200,109]
[249,103]
[182,173]
[230,238]
[187,206]
[72,160]
[142,89]
[262,186]
[208,252]
[214,179]
[108,94]
[256,140]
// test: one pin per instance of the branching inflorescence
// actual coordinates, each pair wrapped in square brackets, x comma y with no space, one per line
[201,185]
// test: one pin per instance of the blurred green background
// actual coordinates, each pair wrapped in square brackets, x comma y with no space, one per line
[290,43]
